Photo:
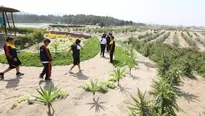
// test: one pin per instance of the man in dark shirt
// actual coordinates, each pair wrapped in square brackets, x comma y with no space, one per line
[75,48]
[108,38]
[12,57]
[112,48]
[46,59]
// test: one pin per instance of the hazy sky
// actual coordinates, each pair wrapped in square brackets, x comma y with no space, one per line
[171,12]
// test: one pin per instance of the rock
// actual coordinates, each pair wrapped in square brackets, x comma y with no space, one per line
[31,100]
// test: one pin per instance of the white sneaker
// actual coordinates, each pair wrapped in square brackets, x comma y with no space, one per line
[70,72]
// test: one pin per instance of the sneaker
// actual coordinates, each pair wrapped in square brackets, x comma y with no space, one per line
[2,76]
[40,76]
[18,74]
[70,72]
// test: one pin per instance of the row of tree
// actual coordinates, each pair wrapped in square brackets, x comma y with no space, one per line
[73,19]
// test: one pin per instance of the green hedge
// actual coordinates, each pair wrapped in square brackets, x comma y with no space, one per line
[90,50]
[23,30]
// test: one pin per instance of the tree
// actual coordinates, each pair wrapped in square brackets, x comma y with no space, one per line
[101,24]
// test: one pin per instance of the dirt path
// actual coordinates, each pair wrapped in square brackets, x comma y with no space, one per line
[169,40]
[77,102]
[182,42]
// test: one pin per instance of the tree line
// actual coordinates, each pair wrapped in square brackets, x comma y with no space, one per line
[80,19]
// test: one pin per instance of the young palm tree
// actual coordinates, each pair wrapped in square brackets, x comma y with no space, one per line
[165,97]
[47,96]
[118,73]
[93,87]
[173,77]
[139,105]
[130,65]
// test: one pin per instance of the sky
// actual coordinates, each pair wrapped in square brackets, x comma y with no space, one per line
[166,12]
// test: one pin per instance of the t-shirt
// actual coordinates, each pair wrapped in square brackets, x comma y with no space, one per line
[108,40]
[76,50]
[103,41]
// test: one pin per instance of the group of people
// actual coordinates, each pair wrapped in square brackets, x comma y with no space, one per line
[45,58]
[107,42]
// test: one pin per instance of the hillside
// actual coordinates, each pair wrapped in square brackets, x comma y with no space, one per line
[73,19]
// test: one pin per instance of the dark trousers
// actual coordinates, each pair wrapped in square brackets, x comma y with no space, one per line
[111,57]
[108,48]
[46,70]
[102,49]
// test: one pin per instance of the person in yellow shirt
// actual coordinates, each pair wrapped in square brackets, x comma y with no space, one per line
[12,57]
[112,48]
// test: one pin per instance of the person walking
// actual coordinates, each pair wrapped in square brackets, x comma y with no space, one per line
[112,48]
[103,43]
[46,59]
[75,48]
[12,58]
[108,39]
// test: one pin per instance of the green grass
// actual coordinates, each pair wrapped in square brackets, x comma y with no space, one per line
[121,57]
[90,50]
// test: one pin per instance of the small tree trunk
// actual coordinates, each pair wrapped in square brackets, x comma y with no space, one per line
[118,82]
[49,108]
[94,96]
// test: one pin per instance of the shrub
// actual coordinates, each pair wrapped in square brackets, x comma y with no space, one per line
[47,97]
[139,105]
[93,87]
[29,39]
[118,73]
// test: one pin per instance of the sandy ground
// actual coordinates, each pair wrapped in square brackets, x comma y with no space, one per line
[182,42]
[193,101]
[113,103]
[79,102]
[169,40]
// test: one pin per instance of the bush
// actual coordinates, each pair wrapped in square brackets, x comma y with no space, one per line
[90,50]
[29,39]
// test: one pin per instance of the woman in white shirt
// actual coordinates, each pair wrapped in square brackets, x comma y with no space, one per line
[103,43]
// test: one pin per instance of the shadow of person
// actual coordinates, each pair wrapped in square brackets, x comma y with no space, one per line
[47,84]
[97,105]
[81,76]
[13,83]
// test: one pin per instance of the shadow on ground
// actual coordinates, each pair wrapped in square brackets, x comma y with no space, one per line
[13,83]
[97,105]
[124,90]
